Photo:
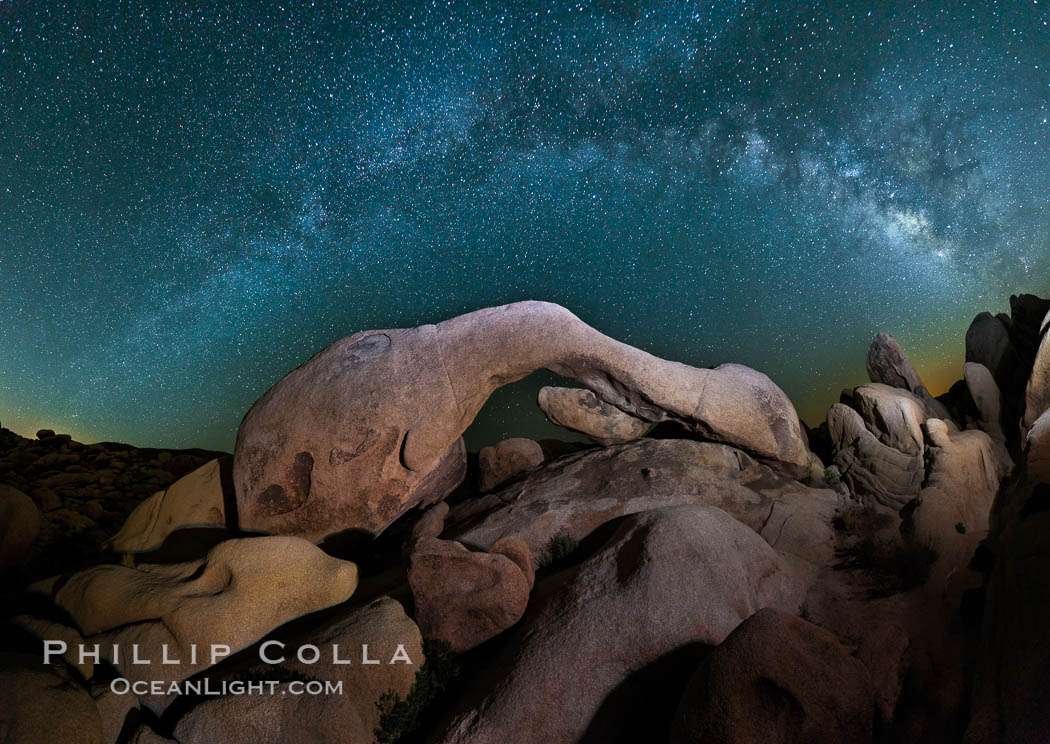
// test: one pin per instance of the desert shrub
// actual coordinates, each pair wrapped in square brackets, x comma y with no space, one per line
[558,551]
[893,565]
[832,476]
[854,519]
[398,717]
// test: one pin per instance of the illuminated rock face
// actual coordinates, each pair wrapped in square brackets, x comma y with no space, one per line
[371,426]
[194,500]
[165,622]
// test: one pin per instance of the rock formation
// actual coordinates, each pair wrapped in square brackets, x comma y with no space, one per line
[371,426]
[466,597]
[241,590]
[875,471]
[19,527]
[582,411]
[41,703]
[706,579]
[665,578]
[888,364]
[195,500]
[573,496]
[351,716]
[777,678]
[1037,393]
[506,459]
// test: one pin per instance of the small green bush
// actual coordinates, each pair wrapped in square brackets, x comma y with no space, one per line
[832,476]
[398,717]
[558,550]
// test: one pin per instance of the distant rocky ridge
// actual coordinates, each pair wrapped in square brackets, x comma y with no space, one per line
[708,570]
[84,492]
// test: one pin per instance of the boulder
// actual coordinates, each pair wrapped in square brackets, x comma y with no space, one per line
[1011,686]
[884,652]
[501,462]
[582,411]
[1037,393]
[352,715]
[876,472]
[989,401]
[894,415]
[988,344]
[195,500]
[1037,450]
[19,527]
[951,516]
[371,426]
[888,364]
[430,524]
[665,579]
[464,597]
[238,592]
[573,496]
[1027,313]
[777,678]
[40,703]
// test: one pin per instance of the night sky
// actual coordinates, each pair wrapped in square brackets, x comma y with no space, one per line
[194,198]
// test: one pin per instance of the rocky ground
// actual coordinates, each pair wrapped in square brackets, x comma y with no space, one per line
[707,569]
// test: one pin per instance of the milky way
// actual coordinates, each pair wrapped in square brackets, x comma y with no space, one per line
[195,198]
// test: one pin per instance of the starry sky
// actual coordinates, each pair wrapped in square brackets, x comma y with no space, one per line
[195,197]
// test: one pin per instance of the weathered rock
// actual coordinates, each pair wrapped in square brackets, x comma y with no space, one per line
[580,410]
[777,678]
[146,735]
[1037,393]
[988,344]
[464,597]
[894,415]
[92,509]
[508,458]
[238,592]
[883,651]
[195,500]
[431,524]
[664,579]
[874,471]
[952,512]
[40,704]
[113,709]
[574,495]
[1037,450]
[1011,687]
[518,551]
[888,364]
[45,434]
[408,394]
[351,716]
[19,527]
[46,629]
[1027,313]
[989,401]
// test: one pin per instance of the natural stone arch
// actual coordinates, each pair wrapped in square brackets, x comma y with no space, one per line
[371,426]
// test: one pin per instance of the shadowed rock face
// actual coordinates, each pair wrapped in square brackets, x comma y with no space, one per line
[666,578]
[371,426]
[777,678]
